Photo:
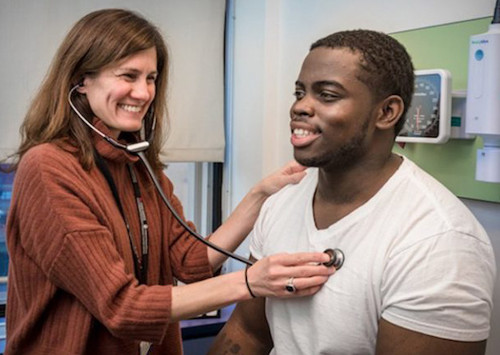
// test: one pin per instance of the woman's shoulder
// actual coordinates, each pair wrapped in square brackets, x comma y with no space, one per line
[49,152]
[47,156]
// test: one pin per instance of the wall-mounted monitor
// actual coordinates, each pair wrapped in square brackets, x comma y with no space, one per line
[428,119]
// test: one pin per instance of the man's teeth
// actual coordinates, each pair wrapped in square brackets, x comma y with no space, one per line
[299,132]
[131,108]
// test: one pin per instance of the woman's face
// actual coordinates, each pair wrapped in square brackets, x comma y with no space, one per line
[120,94]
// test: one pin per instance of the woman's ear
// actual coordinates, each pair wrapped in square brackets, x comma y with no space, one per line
[390,112]
[81,87]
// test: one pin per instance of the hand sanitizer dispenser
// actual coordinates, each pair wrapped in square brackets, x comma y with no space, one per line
[483,98]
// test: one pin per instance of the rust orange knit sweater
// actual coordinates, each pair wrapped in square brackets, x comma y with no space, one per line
[71,287]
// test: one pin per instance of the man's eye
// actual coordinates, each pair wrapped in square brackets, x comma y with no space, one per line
[298,94]
[326,95]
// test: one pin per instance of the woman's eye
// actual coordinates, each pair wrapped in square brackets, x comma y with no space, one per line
[129,76]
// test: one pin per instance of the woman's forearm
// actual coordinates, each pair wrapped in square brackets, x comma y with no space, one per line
[204,296]
[236,227]
[266,278]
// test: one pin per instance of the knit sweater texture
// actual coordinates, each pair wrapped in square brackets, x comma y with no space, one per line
[71,286]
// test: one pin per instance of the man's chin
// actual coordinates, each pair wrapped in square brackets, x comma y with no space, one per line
[308,162]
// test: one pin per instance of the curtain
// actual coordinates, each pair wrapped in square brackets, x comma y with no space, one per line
[31,31]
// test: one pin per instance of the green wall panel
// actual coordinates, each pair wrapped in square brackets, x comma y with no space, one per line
[452,163]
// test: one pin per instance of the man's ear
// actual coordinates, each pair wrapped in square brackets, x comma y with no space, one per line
[391,109]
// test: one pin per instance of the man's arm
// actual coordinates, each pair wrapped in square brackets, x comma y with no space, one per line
[246,331]
[394,340]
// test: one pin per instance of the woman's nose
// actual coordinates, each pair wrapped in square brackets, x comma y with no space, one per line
[142,90]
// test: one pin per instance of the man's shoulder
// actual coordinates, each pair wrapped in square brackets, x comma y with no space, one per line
[432,204]
[293,192]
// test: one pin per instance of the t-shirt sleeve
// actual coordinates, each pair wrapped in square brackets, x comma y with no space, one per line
[441,286]
[257,235]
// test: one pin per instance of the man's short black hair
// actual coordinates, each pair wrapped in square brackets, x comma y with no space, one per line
[386,66]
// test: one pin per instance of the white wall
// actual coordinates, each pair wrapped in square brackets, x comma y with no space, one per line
[487,213]
[271,39]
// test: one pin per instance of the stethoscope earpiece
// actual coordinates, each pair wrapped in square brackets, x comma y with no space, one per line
[336,258]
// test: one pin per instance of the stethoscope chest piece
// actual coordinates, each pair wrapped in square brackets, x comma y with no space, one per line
[336,258]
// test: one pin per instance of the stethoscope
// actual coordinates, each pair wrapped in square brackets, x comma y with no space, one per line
[336,255]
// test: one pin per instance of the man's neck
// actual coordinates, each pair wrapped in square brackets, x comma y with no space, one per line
[340,192]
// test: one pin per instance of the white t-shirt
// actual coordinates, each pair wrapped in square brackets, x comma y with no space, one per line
[414,255]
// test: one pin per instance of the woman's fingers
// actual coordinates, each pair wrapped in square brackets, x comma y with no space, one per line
[291,173]
[293,170]
[305,271]
[300,258]
[288,275]
[305,284]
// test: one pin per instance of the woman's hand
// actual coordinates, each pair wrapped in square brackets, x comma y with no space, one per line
[237,226]
[270,276]
[291,173]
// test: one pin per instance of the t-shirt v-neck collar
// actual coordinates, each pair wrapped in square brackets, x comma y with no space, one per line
[354,216]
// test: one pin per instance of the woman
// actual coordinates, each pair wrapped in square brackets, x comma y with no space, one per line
[94,252]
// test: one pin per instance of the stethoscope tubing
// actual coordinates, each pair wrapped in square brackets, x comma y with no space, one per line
[227,253]
[336,255]
[138,149]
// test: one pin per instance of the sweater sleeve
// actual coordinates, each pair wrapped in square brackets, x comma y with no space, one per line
[89,267]
[58,226]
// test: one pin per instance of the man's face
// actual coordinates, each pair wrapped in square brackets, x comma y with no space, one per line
[332,118]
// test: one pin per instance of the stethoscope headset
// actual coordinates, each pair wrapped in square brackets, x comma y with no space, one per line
[138,149]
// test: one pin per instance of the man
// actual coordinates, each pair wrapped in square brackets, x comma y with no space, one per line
[419,269]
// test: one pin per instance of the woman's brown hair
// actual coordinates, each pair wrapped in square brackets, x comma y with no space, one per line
[97,40]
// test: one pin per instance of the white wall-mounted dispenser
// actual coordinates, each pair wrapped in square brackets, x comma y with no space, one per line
[483,98]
